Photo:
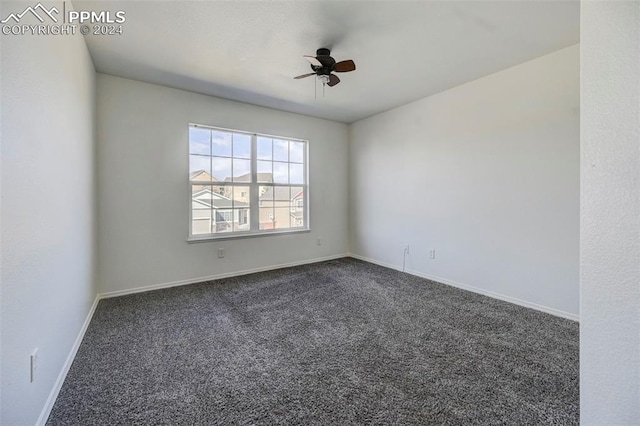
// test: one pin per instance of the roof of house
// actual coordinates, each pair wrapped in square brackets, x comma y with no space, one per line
[201,175]
[217,201]
[281,194]
[262,177]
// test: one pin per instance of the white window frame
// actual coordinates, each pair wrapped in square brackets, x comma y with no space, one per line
[254,186]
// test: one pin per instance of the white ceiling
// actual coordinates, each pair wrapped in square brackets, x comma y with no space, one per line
[249,50]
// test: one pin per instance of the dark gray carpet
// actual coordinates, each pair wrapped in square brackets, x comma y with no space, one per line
[338,342]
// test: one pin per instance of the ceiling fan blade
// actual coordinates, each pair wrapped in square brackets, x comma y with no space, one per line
[313,60]
[345,66]
[333,80]
[304,75]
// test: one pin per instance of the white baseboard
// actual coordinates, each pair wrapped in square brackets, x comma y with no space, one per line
[53,395]
[216,277]
[376,262]
[474,289]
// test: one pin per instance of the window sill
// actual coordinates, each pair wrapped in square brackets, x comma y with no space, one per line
[209,238]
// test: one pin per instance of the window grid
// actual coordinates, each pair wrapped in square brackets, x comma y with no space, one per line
[284,217]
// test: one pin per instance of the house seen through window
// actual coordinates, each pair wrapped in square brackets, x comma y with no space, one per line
[245,183]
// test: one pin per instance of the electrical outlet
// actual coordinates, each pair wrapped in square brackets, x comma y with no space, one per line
[33,364]
[405,247]
[432,254]
[220,253]
[319,241]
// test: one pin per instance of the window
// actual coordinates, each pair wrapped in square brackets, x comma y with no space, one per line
[246,184]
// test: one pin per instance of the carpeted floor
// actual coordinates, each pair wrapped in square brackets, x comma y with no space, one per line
[338,342]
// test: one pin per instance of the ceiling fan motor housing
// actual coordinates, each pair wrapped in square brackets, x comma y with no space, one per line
[323,56]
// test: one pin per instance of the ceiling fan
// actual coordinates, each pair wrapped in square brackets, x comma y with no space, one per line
[323,65]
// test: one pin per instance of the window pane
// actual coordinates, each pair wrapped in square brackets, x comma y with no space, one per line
[296,152]
[282,206]
[265,193]
[280,172]
[296,173]
[241,196]
[242,221]
[266,218]
[241,145]
[224,191]
[297,206]
[280,150]
[281,196]
[223,220]
[199,168]
[221,169]
[221,197]
[264,148]
[282,216]
[221,143]
[201,209]
[265,196]
[211,210]
[265,172]
[199,141]
[241,170]
[297,196]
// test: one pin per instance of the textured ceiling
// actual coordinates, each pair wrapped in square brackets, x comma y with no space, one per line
[250,50]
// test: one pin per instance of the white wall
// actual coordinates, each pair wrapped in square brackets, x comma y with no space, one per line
[487,174]
[48,212]
[143,186]
[610,214]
